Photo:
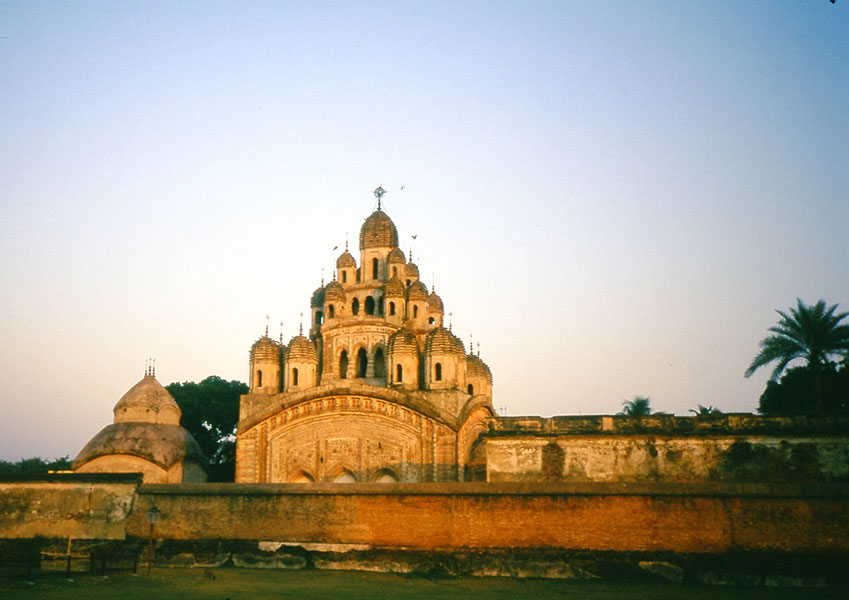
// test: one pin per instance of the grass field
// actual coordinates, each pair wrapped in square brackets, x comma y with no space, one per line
[253,584]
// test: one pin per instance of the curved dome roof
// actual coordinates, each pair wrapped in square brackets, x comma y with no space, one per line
[394,288]
[149,396]
[442,341]
[417,291]
[403,341]
[265,350]
[300,349]
[334,292]
[412,270]
[163,445]
[378,231]
[396,256]
[475,367]
[345,260]
[434,302]
[318,298]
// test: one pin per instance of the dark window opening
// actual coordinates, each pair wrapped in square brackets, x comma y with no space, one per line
[330,311]
[358,275]
[374,268]
[471,390]
[391,308]
[295,377]
[415,310]
[362,362]
[259,379]
[437,371]
[344,276]
[318,316]
[430,321]
[409,283]
[355,307]
[399,373]
[394,271]
[343,365]
[379,363]
[380,306]
[369,305]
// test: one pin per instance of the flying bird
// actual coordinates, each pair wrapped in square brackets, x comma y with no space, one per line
[334,248]
[414,236]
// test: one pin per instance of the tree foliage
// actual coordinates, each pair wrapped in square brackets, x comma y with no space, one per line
[793,393]
[814,334]
[704,411]
[211,413]
[638,407]
[29,467]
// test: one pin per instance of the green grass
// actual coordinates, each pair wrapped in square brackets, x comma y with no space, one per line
[257,584]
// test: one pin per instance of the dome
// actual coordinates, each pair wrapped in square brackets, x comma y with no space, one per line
[378,231]
[265,350]
[412,271]
[442,341]
[396,256]
[417,291]
[346,260]
[403,341]
[301,350]
[393,288]
[334,292]
[435,302]
[318,298]
[475,367]
[147,402]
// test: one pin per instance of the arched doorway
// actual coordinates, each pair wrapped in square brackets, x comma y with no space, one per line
[343,365]
[379,363]
[362,362]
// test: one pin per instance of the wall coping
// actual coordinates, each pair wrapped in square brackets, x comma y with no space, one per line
[703,489]
[75,478]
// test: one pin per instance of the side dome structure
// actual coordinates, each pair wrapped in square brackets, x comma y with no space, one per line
[317,298]
[378,231]
[346,260]
[301,364]
[417,291]
[334,292]
[403,356]
[145,437]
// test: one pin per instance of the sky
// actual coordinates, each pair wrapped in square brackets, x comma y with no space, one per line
[612,198]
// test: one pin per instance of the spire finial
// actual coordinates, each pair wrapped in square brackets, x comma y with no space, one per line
[346,241]
[322,276]
[266,325]
[471,344]
[153,368]
[432,282]
[479,349]
[281,333]
[301,328]
[450,320]
[379,192]
[334,274]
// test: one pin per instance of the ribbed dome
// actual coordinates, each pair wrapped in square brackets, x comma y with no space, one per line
[475,367]
[434,302]
[334,292]
[345,260]
[394,288]
[378,231]
[442,341]
[318,298]
[417,291]
[403,341]
[149,396]
[301,350]
[396,256]
[412,271]
[265,350]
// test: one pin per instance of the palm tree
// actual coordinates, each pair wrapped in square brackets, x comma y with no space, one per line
[703,411]
[812,333]
[638,407]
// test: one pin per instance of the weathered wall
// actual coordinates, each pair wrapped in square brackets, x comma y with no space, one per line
[739,448]
[87,506]
[611,517]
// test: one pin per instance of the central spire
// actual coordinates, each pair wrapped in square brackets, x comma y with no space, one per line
[379,192]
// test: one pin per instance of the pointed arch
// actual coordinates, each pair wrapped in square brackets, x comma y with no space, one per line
[362,362]
[386,476]
[369,305]
[343,365]
[302,477]
[399,373]
[345,476]
[379,363]
[437,372]
[355,306]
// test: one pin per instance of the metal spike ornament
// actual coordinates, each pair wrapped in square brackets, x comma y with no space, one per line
[301,328]
[379,193]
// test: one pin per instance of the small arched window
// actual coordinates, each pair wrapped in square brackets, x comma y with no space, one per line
[415,310]
[391,308]
[369,305]
[379,363]
[471,390]
[259,379]
[295,377]
[344,276]
[358,275]
[394,271]
[355,306]
[437,371]
[430,321]
[343,365]
[399,373]
[330,311]
[318,317]
[409,283]
[374,268]
[362,362]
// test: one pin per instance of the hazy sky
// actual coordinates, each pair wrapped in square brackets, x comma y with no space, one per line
[613,197]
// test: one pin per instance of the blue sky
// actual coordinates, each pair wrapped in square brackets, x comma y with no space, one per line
[613,198]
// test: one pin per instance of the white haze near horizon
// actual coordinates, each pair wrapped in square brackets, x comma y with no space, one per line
[613,198]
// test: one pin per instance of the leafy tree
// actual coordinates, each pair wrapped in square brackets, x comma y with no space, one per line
[811,333]
[703,411]
[638,407]
[211,413]
[791,395]
[33,466]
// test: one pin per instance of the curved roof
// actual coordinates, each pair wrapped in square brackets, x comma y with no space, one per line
[435,302]
[378,231]
[394,288]
[417,291]
[345,260]
[412,270]
[396,255]
[147,394]
[300,349]
[317,298]
[442,341]
[474,367]
[334,292]
[265,349]
[403,341]
[163,445]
